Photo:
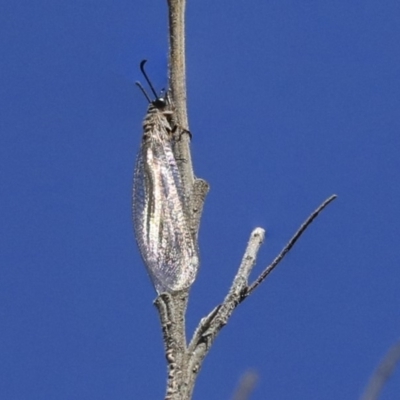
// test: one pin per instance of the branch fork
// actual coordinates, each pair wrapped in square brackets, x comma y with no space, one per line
[185,361]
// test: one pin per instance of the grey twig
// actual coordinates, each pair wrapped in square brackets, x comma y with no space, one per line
[287,248]
[177,89]
[172,308]
[195,189]
[177,60]
[382,373]
[211,325]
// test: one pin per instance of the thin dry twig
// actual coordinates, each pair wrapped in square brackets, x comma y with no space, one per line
[382,373]
[209,327]
[287,248]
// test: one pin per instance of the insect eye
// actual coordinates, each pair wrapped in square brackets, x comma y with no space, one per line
[160,102]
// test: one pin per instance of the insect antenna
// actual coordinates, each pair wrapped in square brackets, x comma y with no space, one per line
[147,78]
[143,91]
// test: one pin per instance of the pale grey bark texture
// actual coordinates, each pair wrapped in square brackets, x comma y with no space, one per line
[184,360]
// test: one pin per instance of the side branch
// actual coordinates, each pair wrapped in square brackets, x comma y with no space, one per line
[199,193]
[287,248]
[211,325]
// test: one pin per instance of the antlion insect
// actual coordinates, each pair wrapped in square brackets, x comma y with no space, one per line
[159,219]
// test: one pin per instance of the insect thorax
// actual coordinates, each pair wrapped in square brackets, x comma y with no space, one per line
[157,120]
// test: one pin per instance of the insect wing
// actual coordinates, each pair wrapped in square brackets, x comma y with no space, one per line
[160,225]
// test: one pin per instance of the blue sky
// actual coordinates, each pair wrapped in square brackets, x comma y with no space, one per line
[289,102]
